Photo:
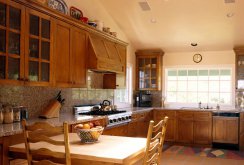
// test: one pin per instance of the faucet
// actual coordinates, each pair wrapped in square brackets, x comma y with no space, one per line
[200,105]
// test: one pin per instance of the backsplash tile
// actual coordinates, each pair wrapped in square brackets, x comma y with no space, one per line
[37,98]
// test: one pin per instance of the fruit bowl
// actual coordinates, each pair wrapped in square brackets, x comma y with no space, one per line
[89,135]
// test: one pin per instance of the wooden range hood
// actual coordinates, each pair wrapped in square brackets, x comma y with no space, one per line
[105,55]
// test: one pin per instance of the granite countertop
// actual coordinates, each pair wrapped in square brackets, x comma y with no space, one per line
[15,128]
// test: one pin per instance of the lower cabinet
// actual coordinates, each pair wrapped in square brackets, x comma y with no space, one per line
[117,131]
[241,142]
[225,130]
[191,127]
[184,127]
[202,127]
[170,131]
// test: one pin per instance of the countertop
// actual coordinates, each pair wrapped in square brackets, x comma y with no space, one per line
[15,128]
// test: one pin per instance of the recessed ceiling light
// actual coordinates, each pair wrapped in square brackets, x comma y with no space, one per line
[153,20]
[230,14]
[193,44]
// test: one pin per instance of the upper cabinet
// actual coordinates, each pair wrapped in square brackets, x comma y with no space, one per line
[148,69]
[70,56]
[43,47]
[12,19]
[239,68]
[25,46]
[39,49]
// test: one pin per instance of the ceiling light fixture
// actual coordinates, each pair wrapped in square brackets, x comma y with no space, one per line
[193,44]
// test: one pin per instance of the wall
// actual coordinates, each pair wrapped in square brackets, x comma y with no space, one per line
[208,58]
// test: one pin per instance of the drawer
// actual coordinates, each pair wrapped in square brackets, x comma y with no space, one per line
[162,113]
[202,116]
[185,115]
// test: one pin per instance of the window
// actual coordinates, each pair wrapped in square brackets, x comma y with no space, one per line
[206,85]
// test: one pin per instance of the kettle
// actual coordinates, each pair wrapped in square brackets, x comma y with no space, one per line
[104,104]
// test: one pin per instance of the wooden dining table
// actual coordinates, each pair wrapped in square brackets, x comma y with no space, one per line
[108,150]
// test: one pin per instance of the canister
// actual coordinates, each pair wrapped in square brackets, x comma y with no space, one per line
[16,113]
[8,115]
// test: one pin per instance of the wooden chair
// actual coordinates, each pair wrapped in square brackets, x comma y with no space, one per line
[155,143]
[39,132]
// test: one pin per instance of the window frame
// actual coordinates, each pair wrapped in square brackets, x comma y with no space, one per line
[197,67]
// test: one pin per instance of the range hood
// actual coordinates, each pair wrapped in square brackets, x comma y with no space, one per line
[105,55]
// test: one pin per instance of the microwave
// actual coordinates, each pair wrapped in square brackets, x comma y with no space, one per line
[143,99]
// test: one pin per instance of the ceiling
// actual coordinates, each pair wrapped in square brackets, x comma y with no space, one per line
[173,25]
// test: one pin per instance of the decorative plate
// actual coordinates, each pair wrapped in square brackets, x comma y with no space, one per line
[59,5]
[75,13]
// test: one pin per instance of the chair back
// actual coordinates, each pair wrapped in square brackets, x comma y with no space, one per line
[155,140]
[39,132]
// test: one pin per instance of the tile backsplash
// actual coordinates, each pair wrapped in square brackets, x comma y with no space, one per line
[37,98]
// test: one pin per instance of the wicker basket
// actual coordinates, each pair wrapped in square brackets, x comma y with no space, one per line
[89,135]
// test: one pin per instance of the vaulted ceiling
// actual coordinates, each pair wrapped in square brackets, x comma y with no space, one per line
[173,25]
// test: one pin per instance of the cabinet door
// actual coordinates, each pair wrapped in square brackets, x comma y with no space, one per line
[148,72]
[39,49]
[78,65]
[62,54]
[241,131]
[170,130]
[12,21]
[219,129]
[232,131]
[203,127]
[185,127]
[117,131]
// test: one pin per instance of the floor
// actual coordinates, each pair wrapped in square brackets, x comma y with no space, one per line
[175,159]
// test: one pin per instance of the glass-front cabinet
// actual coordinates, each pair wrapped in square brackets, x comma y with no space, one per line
[239,68]
[25,45]
[38,48]
[148,68]
[11,42]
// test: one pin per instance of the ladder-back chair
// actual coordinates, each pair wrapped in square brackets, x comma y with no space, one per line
[38,132]
[155,143]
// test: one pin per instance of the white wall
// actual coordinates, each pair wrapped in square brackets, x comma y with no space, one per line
[208,58]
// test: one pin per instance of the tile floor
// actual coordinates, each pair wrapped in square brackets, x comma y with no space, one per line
[174,159]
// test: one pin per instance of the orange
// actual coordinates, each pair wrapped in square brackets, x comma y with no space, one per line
[86,126]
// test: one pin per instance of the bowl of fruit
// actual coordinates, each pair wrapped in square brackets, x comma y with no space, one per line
[89,132]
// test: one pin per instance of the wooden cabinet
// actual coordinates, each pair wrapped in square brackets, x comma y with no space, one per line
[26,45]
[241,142]
[239,67]
[121,130]
[148,69]
[202,127]
[38,49]
[12,29]
[138,127]
[70,55]
[170,130]
[225,129]
[184,126]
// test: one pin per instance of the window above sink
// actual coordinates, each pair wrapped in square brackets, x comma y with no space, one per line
[187,86]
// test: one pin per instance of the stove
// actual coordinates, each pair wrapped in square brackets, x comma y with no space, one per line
[114,117]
